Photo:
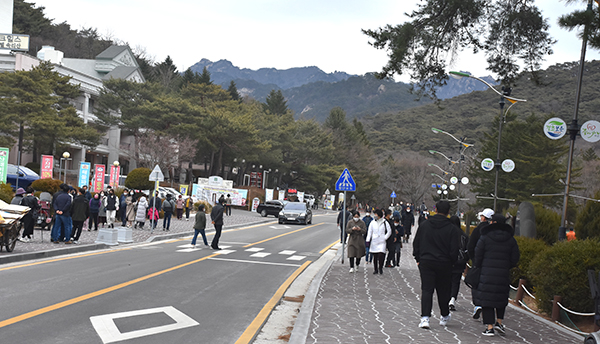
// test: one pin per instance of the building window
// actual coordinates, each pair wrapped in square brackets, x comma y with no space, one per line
[91,105]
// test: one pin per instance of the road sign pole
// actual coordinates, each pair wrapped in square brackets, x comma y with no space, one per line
[343,226]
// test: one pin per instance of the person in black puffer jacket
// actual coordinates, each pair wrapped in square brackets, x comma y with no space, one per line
[496,253]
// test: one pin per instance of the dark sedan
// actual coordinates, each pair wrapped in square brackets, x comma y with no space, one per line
[296,212]
[270,208]
[26,176]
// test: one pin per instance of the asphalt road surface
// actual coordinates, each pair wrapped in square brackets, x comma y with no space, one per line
[162,292]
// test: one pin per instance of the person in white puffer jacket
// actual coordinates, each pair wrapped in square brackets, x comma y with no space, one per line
[379,231]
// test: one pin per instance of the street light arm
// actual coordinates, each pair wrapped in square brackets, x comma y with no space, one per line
[441,169]
[435,130]
[444,155]
[458,75]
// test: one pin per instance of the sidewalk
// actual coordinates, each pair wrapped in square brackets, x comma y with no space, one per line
[366,308]
[40,246]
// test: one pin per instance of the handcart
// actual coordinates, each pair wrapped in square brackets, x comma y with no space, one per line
[10,224]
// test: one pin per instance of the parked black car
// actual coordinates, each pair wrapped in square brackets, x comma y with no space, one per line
[270,208]
[296,212]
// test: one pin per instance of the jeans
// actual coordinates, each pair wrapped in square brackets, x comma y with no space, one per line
[398,247]
[124,215]
[167,220]
[187,213]
[228,209]
[215,240]
[201,231]
[61,221]
[438,276]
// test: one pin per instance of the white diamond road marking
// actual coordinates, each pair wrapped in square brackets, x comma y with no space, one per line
[296,257]
[260,254]
[224,251]
[287,252]
[109,332]
[254,249]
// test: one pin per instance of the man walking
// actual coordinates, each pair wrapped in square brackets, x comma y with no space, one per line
[216,216]
[435,248]
[62,218]
[168,207]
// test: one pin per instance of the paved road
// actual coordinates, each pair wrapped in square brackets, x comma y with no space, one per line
[162,292]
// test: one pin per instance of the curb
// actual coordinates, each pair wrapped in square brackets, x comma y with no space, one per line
[547,322]
[302,324]
[19,257]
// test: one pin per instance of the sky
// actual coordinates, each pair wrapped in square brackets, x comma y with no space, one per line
[273,33]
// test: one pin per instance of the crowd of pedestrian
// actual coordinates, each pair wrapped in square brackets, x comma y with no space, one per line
[442,251]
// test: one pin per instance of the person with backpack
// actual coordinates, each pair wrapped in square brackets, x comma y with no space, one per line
[29,219]
[111,203]
[168,206]
[80,211]
[459,267]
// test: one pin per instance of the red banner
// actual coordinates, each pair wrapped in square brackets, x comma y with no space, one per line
[114,176]
[47,166]
[99,178]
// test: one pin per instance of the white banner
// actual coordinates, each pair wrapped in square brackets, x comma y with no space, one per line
[300,196]
[281,195]
[268,195]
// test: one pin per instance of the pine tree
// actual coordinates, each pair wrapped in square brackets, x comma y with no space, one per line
[589,155]
[232,89]
[205,77]
[275,103]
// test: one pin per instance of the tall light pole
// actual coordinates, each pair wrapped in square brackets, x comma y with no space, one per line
[463,147]
[66,156]
[505,94]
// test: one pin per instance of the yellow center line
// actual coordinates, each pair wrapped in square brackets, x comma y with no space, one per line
[281,235]
[262,316]
[96,293]
[328,247]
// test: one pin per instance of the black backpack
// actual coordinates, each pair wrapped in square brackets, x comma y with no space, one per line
[463,252]
[168,205]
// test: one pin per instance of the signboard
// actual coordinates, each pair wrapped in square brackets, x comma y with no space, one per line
[47,167]
[590,131]
[114,176]
[345,182]
[508,165]
[211,194]
[9,41]
[215,181]
[453,180]
[255,203]
[3,164]
[156,175]
[99,178]
[464,180]
[300,195]
[281,195]
[183,189]
[555,128]
[487,164]
[84,174]
[268,195]
[393,195]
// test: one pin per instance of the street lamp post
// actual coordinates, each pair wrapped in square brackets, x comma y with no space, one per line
[66,156]
[505,94]
[463,147]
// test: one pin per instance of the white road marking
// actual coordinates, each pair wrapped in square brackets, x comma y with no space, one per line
[254,249]
[287,252]
[253,262]
[109,332]
[296,257]
[190,249]
[185,246]
[224,251]
[280,227]
[260,254]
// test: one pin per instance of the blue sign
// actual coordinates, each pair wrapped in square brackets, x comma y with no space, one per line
[345,182]
[84,174]
[393,195]
[434,185]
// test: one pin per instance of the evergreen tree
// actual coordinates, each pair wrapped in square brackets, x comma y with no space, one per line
[205,77]
[589,155]
[233,91]
[190,77]
[165,74]
[275,103]
[336,119]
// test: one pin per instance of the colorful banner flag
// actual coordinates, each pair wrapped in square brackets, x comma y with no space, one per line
[114,176]
[3,164]
[99,178]
[183,189]
[84,174]
[47,167]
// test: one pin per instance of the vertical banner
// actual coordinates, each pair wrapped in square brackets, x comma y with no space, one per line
[183,189]
[3,164]
[99,178]
[300,195]
[114,176]
[281,195]
[268,195]
[47,166]
[84,174]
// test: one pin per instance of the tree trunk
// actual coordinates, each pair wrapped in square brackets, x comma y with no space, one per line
[220,162]
[212,164]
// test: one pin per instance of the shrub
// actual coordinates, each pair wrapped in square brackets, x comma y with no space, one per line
[6,192]
[529,249]
[562,270]
[207,206]
[547,222]
[138,179]
[588,220]
[47,185]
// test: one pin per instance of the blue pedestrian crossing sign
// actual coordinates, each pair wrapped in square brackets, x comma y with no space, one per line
[345,182]
[393,195]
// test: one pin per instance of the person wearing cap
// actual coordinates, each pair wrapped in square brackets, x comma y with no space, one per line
[484,218]
[496,253]
[18,196]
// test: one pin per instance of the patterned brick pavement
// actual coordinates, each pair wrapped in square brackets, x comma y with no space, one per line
[366,308]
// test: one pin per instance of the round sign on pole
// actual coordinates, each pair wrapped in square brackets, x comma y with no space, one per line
[555,128]
[590,131]
[453,180]
[444,186]
[487,164]
[508,165]
[465,180]
[439,192]
[452,187]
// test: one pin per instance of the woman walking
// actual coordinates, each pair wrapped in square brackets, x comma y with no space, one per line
[496,253]
[140,213]
[379,232]
[180,203]
[130,206]
[356,228]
